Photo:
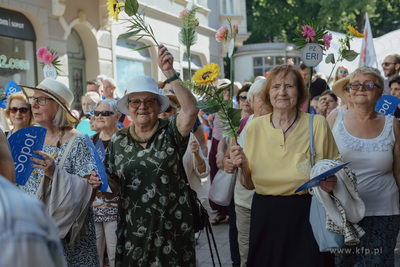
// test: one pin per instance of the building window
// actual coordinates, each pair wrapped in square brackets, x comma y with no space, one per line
[17,49]
[130,63]
[263,64]
[195,65]
[228,7]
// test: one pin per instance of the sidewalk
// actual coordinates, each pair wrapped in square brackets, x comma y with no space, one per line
[203,255]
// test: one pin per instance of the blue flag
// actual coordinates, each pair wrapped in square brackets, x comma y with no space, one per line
[22,144]
[11,88]
[98,164]
[100,149]
[387,104]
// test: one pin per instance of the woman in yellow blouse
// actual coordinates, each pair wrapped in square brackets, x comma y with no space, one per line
[275,162]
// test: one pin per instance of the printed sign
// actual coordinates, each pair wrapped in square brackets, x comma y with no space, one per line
[98,164]
[11,88]
[100,149]
[22,144]
[311,54]
[387,104]
[50,71]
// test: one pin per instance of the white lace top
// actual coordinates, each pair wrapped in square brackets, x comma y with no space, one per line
[371,160]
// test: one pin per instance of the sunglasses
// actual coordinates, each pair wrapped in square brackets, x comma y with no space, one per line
[21,110]
[342,71]
[386,64]
[103,113]
[365,86]
[242,98]
[148,102]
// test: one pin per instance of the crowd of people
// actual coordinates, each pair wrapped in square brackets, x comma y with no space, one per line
[157,142]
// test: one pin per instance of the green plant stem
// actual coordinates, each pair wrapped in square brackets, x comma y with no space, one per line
[189,62]
[334,66]
[231,74]
[310,72]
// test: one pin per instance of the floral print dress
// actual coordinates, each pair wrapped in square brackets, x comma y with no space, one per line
[155,223]
[78,162]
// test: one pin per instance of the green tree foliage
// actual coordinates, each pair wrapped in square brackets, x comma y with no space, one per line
[272,20]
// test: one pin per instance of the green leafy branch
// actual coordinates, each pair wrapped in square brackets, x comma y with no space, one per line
[345,52]
[212,101]
[187,34]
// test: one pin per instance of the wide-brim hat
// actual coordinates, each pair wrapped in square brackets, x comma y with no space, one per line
[173,100]
[223,83]
[337,87]
[56,90]
[142,83]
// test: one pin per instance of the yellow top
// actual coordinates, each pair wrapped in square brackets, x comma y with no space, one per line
[279,167]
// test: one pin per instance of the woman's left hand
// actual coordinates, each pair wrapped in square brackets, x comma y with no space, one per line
[48,165]
[328,184]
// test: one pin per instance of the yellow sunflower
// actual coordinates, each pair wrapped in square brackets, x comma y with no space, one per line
[207,74]
[355,32]
[114,8]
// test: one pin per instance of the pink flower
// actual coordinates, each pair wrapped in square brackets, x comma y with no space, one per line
[183,13]
[235,29]
[222,34]
[309,32]
[327,38]
[48,57]
[40,52]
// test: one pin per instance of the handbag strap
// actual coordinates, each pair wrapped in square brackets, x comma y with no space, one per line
[64,157]
[312,151]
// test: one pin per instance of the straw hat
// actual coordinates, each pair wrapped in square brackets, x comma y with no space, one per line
[173,100]
[56,90]
[337,87]
[142,83]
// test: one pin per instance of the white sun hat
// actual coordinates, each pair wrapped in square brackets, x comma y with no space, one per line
[142,83]
[57,91]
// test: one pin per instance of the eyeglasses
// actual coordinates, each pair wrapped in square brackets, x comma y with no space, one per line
[242,98]
[148,102]
[105,113]
[365,86]
[169,109]
[342,71]
[41,100]
[23,110]
[386,64]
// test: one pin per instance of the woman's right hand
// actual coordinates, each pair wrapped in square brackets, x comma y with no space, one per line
[94,180]
[237,156]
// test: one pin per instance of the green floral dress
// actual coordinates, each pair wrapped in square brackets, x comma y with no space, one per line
[155,224]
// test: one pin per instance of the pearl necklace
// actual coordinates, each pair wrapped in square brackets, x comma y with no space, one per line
[145,139]
[272,122]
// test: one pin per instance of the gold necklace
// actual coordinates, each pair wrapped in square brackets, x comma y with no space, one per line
[145,139]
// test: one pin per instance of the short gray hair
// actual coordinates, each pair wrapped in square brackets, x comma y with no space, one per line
[61,119]
[255,89]
[111,102]
[372,71]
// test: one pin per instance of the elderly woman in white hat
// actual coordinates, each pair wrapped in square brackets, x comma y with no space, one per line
[155,224]
[58,179]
